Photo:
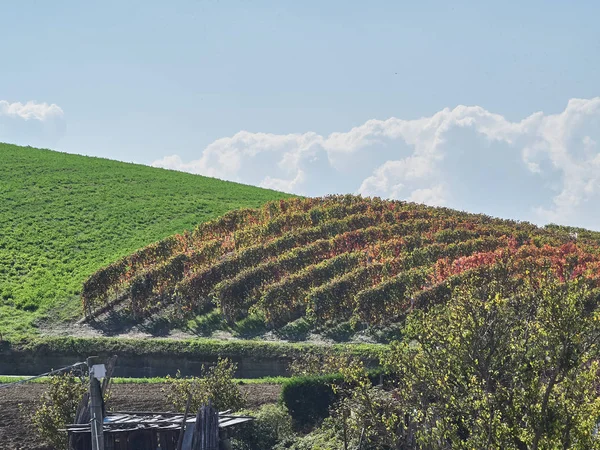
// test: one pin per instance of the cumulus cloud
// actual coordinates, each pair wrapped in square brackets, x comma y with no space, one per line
[31,123]
[543,168]
[30,110]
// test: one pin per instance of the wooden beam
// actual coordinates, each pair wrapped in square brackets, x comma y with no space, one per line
[97,418]
[182,431]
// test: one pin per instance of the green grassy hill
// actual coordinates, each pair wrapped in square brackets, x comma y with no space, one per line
[64,216]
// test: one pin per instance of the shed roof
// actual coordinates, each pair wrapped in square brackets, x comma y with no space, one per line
[116,422]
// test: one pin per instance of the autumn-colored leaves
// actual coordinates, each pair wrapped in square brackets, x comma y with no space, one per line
[333,258]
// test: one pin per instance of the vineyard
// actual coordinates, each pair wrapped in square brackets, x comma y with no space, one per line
[331,260]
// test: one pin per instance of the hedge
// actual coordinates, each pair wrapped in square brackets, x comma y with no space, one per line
[310,398]
[185,347]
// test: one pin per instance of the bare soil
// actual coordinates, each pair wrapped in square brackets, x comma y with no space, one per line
[16,402]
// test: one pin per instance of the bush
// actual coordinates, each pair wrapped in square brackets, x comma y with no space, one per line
[340,332]
[216,384]
[327,437]
[297,330]
[308,399]
[320,382]
[272,425]
[250,326]
[59,405]
[207,324]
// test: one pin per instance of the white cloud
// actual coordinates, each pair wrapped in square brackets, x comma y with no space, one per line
[435,196]
[30,110]
[31,123]
[542,168]
[280,184]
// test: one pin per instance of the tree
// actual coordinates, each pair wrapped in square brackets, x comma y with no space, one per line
[216,384]
[507,363]
[58,408]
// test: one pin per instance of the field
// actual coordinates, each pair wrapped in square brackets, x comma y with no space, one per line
[64,216]
[17,401]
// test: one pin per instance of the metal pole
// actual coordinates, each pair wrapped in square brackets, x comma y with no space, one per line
[47,374]
[97,420]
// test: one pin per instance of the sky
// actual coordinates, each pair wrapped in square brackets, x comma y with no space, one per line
[489,107]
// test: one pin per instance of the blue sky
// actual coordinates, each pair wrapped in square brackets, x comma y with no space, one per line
[319,97]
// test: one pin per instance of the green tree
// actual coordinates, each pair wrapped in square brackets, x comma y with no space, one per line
[505,364]
[58,408]
[215,384]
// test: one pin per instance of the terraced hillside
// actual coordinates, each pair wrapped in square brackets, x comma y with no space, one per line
[63,216]
[332,260]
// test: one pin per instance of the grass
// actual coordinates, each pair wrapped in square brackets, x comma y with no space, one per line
[63,216]
[8,379]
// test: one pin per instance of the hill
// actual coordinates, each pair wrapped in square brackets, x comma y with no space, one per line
[334,264]
[64,216]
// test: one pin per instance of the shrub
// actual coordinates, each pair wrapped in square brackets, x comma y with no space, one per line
[340,332]
[216,384]
[207,324]
[251,326]
[58,408]
[308,399]
[327,437]
[501,365]
[297,330]
[272,425]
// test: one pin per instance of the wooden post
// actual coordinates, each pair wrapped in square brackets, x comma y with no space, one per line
[206,429]
[110,367]
[97,418]
[182,431]
[362,435]
[345,418]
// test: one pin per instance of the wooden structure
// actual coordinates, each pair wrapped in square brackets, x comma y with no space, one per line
[208,430]
[95,429]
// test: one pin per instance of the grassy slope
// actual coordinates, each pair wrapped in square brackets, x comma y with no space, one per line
[63,216]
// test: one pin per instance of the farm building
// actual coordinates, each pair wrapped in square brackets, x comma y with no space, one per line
[152,431]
